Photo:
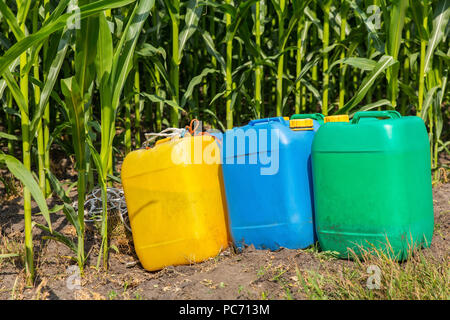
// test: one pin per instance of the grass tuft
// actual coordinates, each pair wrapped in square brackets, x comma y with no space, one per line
[421,277]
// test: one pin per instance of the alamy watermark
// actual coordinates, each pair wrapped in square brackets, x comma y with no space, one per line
[375,19]
[73,22]
[73,281]
[250,146]
[374,280]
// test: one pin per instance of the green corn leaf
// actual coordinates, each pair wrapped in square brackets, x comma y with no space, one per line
[277,7]
[300,78]
[306,68]
[22,13]
[173,8]
[97,161]
[57,188]
[311,15]
[103,187]
[12,112]
[195,81]
[53,93]
[147,50]
[3,84]
[396,16]
[442,91]
[11,21]
[58,24]
[217,96]
[118,67]
[443,146]
[253,50]
[212,51]
[68,209]
[428,102]
[374,105]
[417,10]
[4,135]
[443,56]
[193,13]
[57,236]
[57,12]
[155,98]
[238,70]
[224,8]
[114,178]
[75,105]
[21,102]
[410,92]
[360,63]
[304,35]
[85,53]
[56,133]
[241,14]
[382,65]
[440,22]
[159,66]
[437,102]
[125,51]
[104,60]
[216,118]
[292,23]
[9,255]
[52,77]
[336,17]
[25,176]
[312,89]
[72,217]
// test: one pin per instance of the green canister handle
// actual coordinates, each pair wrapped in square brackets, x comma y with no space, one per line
[314,116]
[376,114]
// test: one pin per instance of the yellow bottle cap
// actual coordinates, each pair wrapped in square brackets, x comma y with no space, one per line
[301,124]
[338,118]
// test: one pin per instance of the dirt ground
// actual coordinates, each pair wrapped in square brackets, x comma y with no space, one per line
[251,274]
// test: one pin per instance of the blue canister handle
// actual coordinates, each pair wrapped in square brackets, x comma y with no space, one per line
[266,120]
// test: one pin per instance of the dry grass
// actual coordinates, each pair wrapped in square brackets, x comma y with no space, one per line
[11,248]
[421,277]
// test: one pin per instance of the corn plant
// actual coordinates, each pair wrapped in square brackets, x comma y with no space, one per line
[326,41]
[75,74]
[395,19]
[342,35]
[229,67]
[259,21]
[21,172]
[71,88]
[113,67]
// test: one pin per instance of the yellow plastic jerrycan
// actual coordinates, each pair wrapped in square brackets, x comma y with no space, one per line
[176,202]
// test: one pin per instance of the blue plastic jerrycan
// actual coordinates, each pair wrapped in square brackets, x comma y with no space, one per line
[268,183]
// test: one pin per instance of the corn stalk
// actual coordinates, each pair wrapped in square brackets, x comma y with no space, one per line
[113,67]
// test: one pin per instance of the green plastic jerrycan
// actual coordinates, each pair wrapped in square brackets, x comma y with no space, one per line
[372,185]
